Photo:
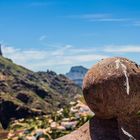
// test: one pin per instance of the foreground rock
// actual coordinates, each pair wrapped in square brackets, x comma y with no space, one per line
[112,88]
[112,91]
[95,129]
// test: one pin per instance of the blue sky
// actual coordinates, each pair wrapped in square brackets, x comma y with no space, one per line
[58,34]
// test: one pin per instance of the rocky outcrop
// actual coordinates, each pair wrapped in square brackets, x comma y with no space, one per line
[28,91]
[77,74]
[61,84]
[11,111]
[112,91]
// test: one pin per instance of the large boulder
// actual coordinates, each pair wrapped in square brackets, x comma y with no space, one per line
[112,90]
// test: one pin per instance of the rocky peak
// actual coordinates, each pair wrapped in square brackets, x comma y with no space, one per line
[80,69]
[77,74]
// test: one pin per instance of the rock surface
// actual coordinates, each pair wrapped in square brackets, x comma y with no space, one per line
[10,110]
[95,129]
[77,74]
[112,88]
[112,91]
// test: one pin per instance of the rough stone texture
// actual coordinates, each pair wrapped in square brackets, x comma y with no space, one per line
[77,74]
[105,88]
[112,90]
[129,128]
[95,129]
[81,134]
[15,112]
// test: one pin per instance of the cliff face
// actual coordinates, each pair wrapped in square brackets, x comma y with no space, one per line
[30,93]
[77,74]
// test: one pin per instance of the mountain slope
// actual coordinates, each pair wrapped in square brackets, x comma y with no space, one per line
[26,93]
[77,74]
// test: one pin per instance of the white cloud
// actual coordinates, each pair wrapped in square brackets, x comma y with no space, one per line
[137,24]
[60,58]
[38,4]
[99,17]
[89,16]
[110,19]
[61,51]
[63,56]
[43,40]
[9,49]
[43,37]
[123,49]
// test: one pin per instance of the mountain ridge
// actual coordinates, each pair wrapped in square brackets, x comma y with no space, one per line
[33,93]
[77,74]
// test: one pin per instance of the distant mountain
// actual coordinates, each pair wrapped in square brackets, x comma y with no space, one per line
[26,93]
[77,74]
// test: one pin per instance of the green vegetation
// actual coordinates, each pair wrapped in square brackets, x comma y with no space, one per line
[30,91]
[40,96]
[8,64]
[50,126]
